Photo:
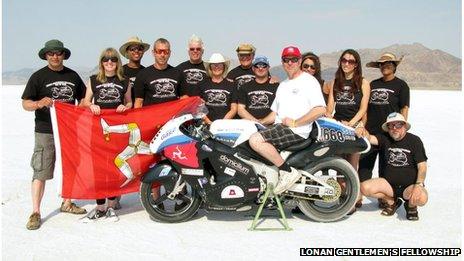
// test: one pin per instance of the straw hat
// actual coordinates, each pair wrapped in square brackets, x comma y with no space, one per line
[133,41]
[216,58]
[392,117]
[385,57]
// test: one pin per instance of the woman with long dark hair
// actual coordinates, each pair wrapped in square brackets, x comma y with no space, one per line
[348,97]
[311,64]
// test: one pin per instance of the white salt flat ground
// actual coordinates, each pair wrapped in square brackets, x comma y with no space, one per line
[220,235]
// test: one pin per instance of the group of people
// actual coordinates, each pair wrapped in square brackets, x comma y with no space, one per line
[377,110]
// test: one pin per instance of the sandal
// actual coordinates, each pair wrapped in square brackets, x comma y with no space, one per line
[389,210]
[72,208]
[358,204]
[382,203]
[411,212]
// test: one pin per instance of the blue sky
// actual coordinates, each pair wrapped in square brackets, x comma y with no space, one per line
[89,26]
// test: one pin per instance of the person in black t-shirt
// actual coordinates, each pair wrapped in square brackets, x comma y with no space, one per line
[107,90]
[219,94]
[312,65]
[133,50]
[388,94]
[160,82]
[243,73]
[255,98]
[404,166]
[53,82]
[348,96]
[193,70]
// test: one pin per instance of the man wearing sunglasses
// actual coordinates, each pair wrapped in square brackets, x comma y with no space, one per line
[243,73]
[404,166]
[160,82]
[54,82]
[133,50]
[297,104]
[192,71]
[255,97]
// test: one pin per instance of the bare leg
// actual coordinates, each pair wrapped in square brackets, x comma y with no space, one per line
[378,188]
[423,197]
[265,149]
[37,192]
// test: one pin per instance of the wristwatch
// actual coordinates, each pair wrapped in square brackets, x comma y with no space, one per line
[420,184]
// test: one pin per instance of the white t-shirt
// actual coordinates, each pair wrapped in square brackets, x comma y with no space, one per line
[295,98]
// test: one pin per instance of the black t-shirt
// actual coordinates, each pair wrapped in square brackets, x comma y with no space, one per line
[65,86]
[218,97]
[386,97]
[108,95]
[347,101]
[157,86]
[193,76]
[401,158]
[130,75]
[241,76]
[257,97]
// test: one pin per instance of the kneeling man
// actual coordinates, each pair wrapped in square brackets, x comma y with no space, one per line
[404,168]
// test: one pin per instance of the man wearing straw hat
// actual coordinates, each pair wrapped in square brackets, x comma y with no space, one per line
[404,166]
[52,82]
[133,50]
[388,94]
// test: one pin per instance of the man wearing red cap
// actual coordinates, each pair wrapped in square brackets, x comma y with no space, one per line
[297,104]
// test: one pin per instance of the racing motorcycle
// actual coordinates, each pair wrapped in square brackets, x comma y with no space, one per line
[216,169]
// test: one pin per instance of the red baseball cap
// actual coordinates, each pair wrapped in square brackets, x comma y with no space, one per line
[291,51]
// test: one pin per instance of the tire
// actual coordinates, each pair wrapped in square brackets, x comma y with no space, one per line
[172,211]
[336,210]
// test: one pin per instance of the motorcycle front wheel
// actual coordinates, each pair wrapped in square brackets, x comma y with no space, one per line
[163,209]
[347,183]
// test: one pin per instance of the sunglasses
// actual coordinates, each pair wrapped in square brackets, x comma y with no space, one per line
[198,49]
[135,49]
[106,59]
[57,53]
[386,64]
[162,51]
[396,125]
[217,65]
[306,66]
[292,59]
[348,61]
[260,66]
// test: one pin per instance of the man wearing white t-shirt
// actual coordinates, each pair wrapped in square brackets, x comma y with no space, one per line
[297,104]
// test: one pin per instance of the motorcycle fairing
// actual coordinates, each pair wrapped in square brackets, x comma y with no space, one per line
[183,154]
[170,134]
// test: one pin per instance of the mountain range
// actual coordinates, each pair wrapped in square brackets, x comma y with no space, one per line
[421,67]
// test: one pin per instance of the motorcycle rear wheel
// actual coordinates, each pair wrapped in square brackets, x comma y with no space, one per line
[349,181]
[163,209]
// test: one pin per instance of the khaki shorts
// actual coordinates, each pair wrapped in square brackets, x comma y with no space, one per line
[43,159]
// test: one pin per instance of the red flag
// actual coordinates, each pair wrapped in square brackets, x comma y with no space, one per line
[105,155]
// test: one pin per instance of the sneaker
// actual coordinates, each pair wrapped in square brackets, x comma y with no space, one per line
[94,215]
[111,215]
[34,221]
[286,180]
[72,208]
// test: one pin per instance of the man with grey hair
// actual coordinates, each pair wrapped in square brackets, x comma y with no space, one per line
[193,73]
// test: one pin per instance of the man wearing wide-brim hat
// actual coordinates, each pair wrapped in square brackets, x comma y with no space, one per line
[388,94]
[52,82]
[133,49]
[404,166]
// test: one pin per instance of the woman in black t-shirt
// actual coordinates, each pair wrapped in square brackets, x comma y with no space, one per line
[219,94]
[311,64]
[107,90]
[349,96]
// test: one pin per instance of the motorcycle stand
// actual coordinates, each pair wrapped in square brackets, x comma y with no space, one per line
[270,194]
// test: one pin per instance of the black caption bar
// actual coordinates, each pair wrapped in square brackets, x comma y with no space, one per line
[307,251]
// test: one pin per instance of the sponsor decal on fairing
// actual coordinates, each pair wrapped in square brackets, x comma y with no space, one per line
[232,192]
